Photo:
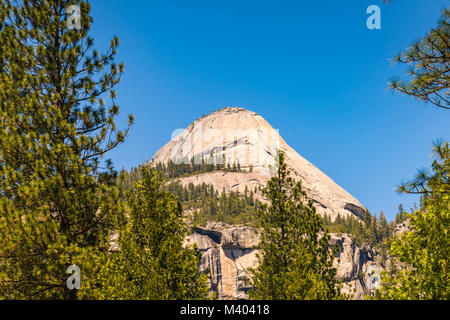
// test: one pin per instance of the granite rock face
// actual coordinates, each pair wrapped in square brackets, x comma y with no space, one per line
[402,227]
[357,266]
[228,253]
[237,135]
[242,137]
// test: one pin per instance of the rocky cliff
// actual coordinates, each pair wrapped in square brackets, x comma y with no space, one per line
[228,253]
[237,135]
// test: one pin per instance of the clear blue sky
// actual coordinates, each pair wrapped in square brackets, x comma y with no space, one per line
[311,68]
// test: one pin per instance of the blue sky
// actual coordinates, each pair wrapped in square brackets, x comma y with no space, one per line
[312,69]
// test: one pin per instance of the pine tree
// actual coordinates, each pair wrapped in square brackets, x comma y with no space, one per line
[374,231]
[56,204]
[423,254]
[385,230]
[151,262]
[429,61]
[401,215]
[295,259]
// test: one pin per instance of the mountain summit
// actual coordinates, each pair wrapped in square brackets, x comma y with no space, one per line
[236,136]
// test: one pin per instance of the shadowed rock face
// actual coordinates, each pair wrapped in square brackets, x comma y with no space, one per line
[228,253]
[237,135]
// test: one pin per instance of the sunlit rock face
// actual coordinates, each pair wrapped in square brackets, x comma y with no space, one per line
[402,227]
[237,135]
[228,252]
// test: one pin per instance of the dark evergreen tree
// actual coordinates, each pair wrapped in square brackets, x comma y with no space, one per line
[57,205]
[385,229]
[295,259]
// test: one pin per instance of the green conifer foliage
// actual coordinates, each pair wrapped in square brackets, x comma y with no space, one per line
[423,254]
[151,262]
[428,60]
[57,204]
[295,259]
